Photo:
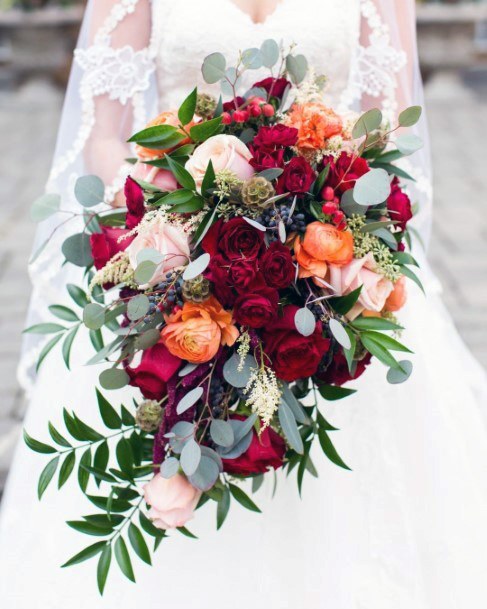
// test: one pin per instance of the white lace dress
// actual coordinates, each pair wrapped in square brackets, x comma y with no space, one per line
[406,528]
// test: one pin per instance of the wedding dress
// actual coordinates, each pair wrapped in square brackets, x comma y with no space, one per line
[406,528]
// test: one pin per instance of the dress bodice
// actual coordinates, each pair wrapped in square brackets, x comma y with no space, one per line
[185,32]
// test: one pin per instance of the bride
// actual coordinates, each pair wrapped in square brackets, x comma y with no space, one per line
[406,529]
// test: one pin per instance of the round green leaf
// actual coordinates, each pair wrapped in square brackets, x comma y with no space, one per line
[94,316]
[410,116]
[213,68]
[395,376]
[45,206]
[114,378]
[190,457]
[222,433]
[370,121]
[372,188]
[144,272]
[269,52]
[137,307]
[76,249]
[89,190]
[340,333]
[252,58]
[305,321]
[408,143]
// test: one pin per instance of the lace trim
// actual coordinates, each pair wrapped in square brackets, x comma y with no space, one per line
[374,69]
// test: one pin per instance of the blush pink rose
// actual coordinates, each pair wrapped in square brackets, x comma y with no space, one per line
[225,152]
[361,272]
[160,178]
[170,241]
[172,501]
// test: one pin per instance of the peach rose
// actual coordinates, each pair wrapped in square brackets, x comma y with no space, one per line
[170,241]
[165,118]
[322,244]
[361,272]
[195,332]
[397,298]
[225,152]
[161,178]
[172,500]
[316,123]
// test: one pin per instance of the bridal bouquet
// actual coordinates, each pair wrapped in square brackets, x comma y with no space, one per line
[258,264]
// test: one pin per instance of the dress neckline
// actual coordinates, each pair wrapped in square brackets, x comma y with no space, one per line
[269,17]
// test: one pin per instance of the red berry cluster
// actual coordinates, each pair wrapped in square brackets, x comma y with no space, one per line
[255,107]
[331,208]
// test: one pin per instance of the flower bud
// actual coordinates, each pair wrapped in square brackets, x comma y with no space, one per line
[329,208]
[149,416]
[328,193]
[226,118]
[268,110]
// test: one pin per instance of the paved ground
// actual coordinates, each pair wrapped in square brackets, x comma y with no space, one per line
[458,120]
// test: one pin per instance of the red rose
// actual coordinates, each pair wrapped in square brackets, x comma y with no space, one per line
[274,86]
[399,204]
[105,245]
[256,309]
[337,372]
[155,369]
[297,177]
[265,451]
[278,135]
[134,197]
[234,239]
[233,104]
[292,355]
[277,266]
[344,172]
[266,159]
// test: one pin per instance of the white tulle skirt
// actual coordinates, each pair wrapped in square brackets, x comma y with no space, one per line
[406,529]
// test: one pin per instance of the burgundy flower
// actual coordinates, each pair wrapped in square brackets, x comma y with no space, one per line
[344,172]
[274,86]
[292,355]
[297,177]
[235,239]
[233,104]
[337,372]
[256,309]
[399,204]
[106,244]
[266,450]
[134,197]
[264,158]
[275,136]
[277,266]
[157,366]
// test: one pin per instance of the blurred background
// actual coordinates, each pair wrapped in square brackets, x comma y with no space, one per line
[36,42]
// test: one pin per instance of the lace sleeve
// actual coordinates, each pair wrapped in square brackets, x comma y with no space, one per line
[108,92]
[385,74]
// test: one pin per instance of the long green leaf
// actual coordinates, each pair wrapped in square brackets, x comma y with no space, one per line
[38,447]
[104,567]
[330,450]
[139,544]
[239,495]
[66,468]
[85,554]
[46,476]
[109,415]
[222,508]
[123,558]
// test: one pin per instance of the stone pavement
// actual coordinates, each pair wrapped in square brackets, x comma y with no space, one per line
[458,121]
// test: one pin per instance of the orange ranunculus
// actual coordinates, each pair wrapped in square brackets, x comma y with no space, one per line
[323,243]
[398,296]
[316,123]
[195,332]
[165,118]
[308,266]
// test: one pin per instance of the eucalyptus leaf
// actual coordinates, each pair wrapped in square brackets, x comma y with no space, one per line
[76,249]
[213,68]
[169,467]
[45,206]
[206,474]
[297,66]
[89,190]
[144,272]
[236,375]
[251,58]
[94,316]
[410,116]
[294,404]
[408,143]
[255,224]
[114,378]
[196,267]
[222,433]
[396,376]
[190,457]
[271,174]
[137,307]
[149,254]
[148,339]
[189,400]
[187,369]
[369,121]
[269,52]
[290,428]
[339,333]
[372,188]
[305,321]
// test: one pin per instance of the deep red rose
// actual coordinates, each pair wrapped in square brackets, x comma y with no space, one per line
[265,451]
[233,104]
[337,372]
[241,273]
[275,136]
[297,177]
[277,267]
[274,86]
[105,245]
[266,159]
[134,197]
[344,172]
[256,309]
[217,273]
[399,204]
[157,366]
[234,239]
[292,355]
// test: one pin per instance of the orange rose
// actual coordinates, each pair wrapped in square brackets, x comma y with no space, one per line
[323,243]
[165,118]
[316,123]
[195,332]
[398,296]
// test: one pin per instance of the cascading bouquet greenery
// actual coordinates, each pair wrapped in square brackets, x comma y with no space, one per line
[255,270]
